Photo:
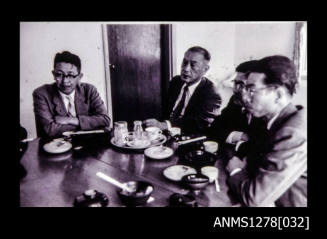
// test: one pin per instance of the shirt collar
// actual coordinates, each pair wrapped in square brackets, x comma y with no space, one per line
[71,95]
[272,120]
[192,88]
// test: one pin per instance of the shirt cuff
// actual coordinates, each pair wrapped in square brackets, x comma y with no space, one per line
[233,137]
[168,125]
[235,171]
[238,144]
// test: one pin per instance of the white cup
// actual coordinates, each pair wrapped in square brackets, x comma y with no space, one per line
[210,146]
[153,132]
[211,172]
[175,131]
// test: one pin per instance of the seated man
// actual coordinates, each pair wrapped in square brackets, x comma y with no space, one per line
[193,101]
[233,125]
[67,104]
[273,172]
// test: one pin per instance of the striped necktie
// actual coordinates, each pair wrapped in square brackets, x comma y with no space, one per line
[176,114]
[71,111]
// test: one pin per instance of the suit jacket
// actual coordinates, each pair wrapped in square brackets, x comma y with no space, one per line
[90,110]
[276,170]
[202,107]
[233,118]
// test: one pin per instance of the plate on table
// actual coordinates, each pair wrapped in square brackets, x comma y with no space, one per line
[140,144]
[57,146]
[177,172]
[130,144]
[158,152]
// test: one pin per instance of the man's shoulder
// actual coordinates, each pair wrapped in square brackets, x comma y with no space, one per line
[86,86]
[44,89]
[294,124]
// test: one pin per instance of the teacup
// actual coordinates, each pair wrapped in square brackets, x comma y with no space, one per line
[211,172]
[210,146]
[175,131]
[153,132]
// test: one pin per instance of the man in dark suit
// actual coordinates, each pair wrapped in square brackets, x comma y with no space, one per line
[67,104]
[274,172]
[233,125]
[193,101]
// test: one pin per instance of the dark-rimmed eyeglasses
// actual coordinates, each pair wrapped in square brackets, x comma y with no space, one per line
[61,75]
[252,91]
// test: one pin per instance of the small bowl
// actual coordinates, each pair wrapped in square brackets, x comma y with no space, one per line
[195,181]
[141,192]
[211,172]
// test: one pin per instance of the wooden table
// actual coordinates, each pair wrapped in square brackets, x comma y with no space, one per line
[55,180]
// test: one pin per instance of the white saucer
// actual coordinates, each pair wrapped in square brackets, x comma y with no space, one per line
[57,147]
[158,152]
[139,145]
[176,172]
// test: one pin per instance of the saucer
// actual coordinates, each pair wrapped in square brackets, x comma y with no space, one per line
[138,144]
[177,172]
[57,147]
[158,152]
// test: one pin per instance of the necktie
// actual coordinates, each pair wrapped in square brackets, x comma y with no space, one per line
[71,111]
[178,110]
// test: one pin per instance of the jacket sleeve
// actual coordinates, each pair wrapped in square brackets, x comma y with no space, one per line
[277,171]
[45,122]
[97,116]
[203,113]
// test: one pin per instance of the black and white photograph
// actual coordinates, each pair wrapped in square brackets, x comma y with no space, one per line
[190,114]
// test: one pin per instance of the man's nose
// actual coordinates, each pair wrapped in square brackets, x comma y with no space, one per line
[186,67]
[245,97]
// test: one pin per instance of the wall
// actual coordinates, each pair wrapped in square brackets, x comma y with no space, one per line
[40,41]
[231,43]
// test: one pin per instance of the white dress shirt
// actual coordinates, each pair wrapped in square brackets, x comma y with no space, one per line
[66,101]
[189,94]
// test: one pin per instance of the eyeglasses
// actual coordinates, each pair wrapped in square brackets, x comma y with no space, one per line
[61,75]
[251,91]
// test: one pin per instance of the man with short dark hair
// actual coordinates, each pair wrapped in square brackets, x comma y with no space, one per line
[68,104]
[274,172]
[193,101]
[233,125]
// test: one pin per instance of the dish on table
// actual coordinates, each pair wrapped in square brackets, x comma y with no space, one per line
[57,146]
[177,172]
[130,142]
[158,152]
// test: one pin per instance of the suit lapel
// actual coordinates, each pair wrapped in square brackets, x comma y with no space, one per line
[80,105]
[289,110]
[59,105]
[193,100]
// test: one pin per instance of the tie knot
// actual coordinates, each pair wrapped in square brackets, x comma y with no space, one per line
[69,98]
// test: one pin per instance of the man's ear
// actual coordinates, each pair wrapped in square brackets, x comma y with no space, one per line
[206,68]
[80,76]
[280,93]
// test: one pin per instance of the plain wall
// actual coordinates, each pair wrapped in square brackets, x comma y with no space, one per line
[40,41]
[231,43]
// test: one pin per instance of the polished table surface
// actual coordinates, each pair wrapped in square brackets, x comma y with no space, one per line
[55,180]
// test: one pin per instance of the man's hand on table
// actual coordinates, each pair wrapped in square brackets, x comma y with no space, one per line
[235,165]
[66,120]
[155,123]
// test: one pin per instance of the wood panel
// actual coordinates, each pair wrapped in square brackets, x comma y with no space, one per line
[137,71]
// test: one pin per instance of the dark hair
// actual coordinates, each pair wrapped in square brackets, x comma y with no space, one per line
[279,70]
[68,57]
[246,66]
[201,50]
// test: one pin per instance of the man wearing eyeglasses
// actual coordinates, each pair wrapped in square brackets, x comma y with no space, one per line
[273,173]
[233,125]
[68,104]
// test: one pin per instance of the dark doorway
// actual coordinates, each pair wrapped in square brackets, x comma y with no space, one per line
[140,70]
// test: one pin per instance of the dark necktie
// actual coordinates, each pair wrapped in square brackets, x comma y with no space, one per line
[178,110]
